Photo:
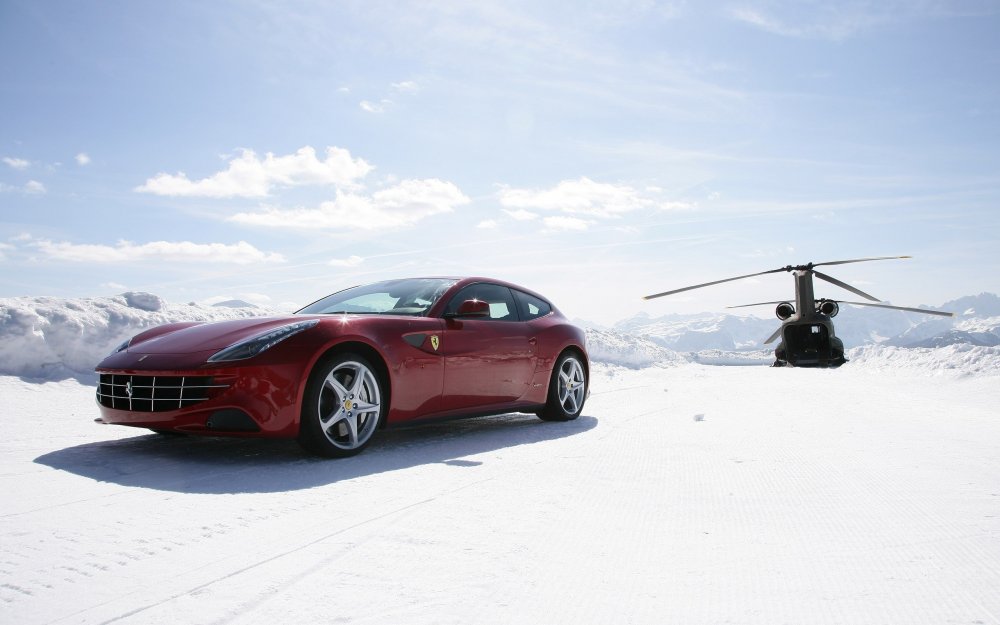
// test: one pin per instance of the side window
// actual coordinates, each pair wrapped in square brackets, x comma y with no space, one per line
[531,307]
[502,307]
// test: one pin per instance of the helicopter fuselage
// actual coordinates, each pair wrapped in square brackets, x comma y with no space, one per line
[807,336]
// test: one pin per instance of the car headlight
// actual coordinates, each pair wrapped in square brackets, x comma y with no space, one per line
[121,347]
[248,348]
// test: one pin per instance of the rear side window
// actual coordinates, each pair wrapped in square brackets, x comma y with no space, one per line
[502,307]
[531,307]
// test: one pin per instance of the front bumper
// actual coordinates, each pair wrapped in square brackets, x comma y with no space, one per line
[246,401]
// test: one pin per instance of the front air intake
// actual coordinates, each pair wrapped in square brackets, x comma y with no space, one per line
[153,393]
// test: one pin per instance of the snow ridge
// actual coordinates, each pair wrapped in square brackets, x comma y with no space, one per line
[961,359]
[51,338]
[634,352]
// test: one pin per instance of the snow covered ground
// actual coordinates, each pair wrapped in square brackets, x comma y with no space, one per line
[686,493]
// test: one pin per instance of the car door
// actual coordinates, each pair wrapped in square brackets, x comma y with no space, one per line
[491,359]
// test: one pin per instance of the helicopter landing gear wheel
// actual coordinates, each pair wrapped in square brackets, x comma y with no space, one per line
[779,356]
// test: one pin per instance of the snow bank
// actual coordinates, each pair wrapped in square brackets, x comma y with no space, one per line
[958,360]
[54,338]
[634,352]
[762,357]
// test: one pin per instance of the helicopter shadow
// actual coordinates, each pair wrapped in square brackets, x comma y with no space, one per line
[216,465]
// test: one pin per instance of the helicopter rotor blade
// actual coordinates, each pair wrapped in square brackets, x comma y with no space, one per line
[844,285]
[698,286]
[776,334]
[859,260]
[940,313]
[757,304]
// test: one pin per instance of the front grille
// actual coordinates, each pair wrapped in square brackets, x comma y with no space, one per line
[153,393]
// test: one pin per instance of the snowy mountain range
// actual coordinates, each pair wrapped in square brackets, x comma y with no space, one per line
[50,338]
[976,322]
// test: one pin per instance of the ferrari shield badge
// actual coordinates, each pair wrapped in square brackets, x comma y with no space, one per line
[435,341]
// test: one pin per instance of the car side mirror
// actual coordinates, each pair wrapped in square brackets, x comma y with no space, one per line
[473,308]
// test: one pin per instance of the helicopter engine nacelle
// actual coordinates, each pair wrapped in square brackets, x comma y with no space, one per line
[784,310]
[827,307]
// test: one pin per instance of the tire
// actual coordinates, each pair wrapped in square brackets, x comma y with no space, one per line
[779,356]
[567,389]
[342,407]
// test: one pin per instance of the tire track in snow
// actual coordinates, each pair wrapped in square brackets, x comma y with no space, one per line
[193,590]
[284,581]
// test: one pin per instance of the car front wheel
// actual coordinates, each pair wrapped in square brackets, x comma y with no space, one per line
[567,389]
[342,408]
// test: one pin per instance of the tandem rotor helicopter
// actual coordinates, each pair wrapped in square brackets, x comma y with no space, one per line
[807,327]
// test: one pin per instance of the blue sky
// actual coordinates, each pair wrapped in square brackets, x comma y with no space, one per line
[593,151]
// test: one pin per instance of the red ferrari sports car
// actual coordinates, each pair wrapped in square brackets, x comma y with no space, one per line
[383,354]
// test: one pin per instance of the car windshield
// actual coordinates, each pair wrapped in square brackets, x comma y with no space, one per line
[392,297]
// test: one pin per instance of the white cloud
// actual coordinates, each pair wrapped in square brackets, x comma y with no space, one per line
[580,197]
[249,176]
[114,286]
[241,253]
[561,222]
[675,206]
[401,205]
[375,107]
[350,261]
[33,187]
[487,224]
[586,197]
[384,104]
[17,163]
[830,21]
[82,159]
[521,214]
[407,86]
[5,247]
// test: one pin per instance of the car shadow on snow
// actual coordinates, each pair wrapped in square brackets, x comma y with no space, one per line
[195,464]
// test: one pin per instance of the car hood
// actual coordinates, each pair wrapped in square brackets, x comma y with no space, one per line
[206,336]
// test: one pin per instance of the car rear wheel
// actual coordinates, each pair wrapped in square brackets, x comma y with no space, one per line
[567,389]
[342,406]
